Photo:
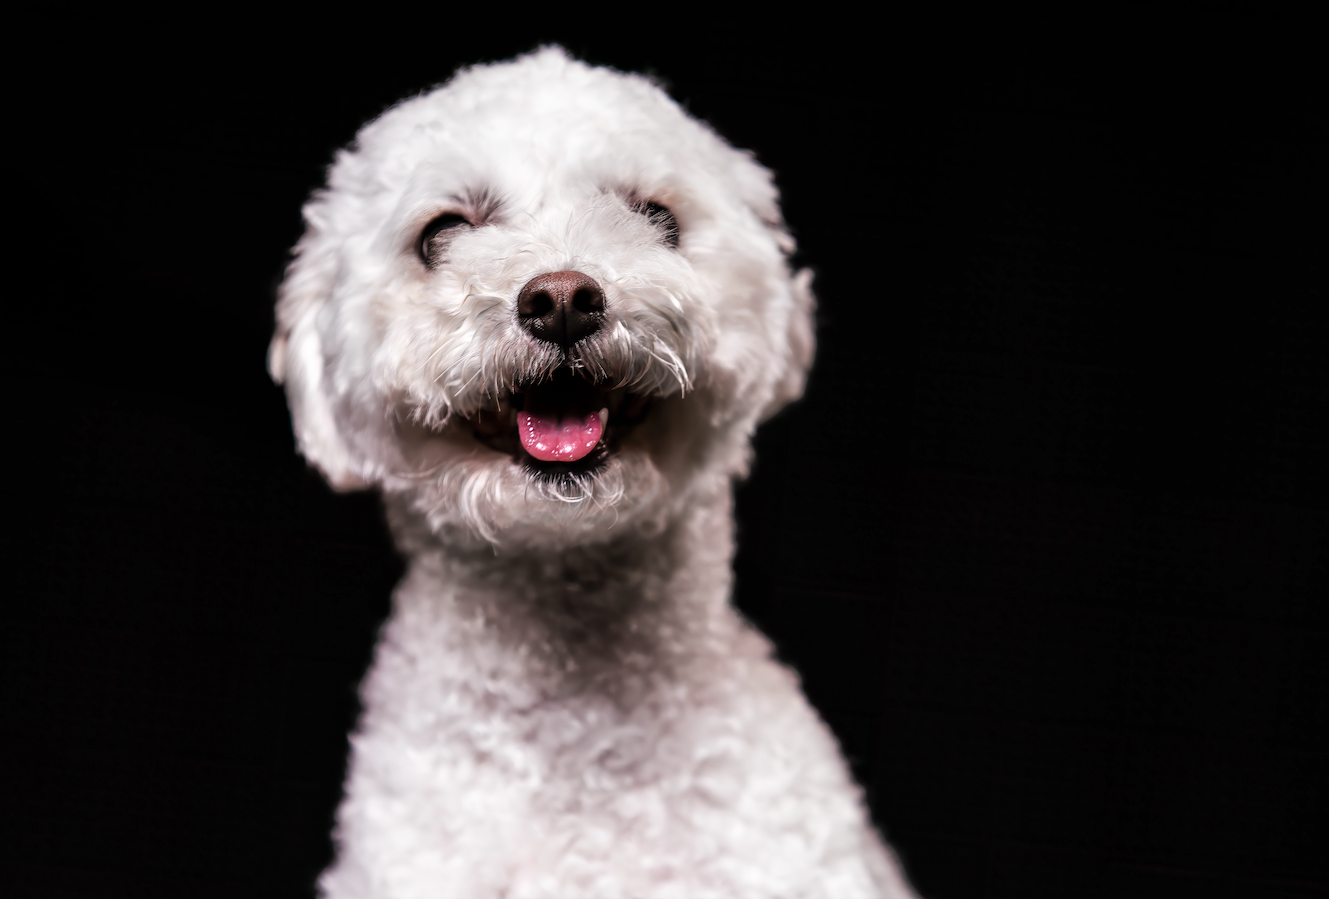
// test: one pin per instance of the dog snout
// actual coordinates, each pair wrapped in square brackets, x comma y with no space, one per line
[561,307]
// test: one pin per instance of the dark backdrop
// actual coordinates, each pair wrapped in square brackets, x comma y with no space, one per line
[1046,538]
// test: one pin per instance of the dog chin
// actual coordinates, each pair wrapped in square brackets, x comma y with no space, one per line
[505,503]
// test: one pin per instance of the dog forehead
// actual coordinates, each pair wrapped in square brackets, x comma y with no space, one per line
[560,160]
[541,122]
[545,90]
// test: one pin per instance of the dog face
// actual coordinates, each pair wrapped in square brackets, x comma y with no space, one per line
[538,303]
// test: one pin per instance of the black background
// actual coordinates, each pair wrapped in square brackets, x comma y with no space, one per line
[1046,538]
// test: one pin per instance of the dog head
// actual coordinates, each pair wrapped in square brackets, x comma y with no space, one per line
[538,303]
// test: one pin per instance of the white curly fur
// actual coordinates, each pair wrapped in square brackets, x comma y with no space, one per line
[563,703]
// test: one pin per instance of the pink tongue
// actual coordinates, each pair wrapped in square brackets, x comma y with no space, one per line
[550,440]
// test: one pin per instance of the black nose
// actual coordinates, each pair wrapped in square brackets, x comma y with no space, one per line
[561,307]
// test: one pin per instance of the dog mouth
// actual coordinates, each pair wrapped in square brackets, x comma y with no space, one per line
[565,424]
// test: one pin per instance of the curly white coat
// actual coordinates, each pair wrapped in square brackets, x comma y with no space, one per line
[563,703]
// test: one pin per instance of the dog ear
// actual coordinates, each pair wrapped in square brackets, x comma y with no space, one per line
[296,360]
[756,187]
[799,344]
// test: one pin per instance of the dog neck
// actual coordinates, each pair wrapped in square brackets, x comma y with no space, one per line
[610,616]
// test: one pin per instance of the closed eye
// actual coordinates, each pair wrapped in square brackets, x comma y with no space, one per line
[436,236]
[659,216]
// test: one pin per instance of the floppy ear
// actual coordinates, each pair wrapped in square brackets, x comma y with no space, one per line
[756,186]
[798,346]
[296,359]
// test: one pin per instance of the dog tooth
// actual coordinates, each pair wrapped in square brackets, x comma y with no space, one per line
[604,417]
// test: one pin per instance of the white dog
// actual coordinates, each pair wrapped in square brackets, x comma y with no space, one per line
[543,310]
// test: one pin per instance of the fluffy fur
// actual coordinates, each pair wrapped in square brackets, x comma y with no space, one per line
[563,703]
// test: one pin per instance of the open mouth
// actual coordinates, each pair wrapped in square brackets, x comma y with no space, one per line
[563,425]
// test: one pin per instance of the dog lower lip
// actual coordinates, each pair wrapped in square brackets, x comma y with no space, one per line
[587,466]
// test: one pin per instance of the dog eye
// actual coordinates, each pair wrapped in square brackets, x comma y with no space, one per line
[434,238]
[661,218]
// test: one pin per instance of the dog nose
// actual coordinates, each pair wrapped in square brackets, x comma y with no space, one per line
[561,307]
